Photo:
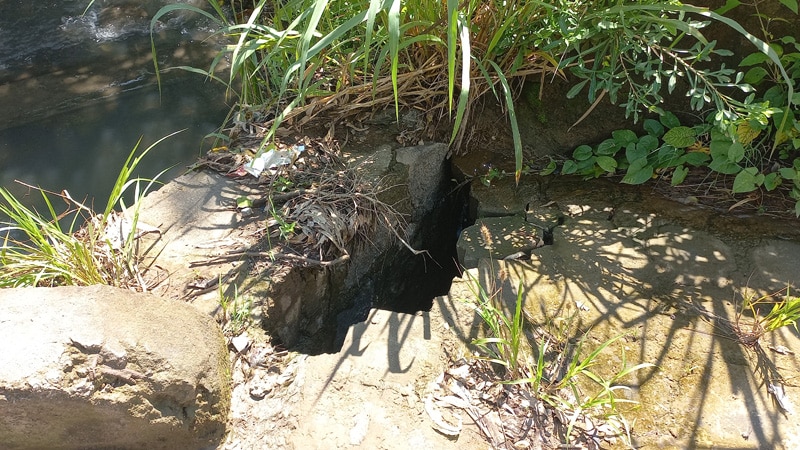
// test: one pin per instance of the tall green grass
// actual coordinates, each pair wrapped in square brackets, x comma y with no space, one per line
[300,57]
[305,56]
[76,247]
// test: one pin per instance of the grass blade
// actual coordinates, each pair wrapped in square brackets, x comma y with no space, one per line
[161,13]
[463,98]
[374,7]
[394,46]
[452,43]
[513,118]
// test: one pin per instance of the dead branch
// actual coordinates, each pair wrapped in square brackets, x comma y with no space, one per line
[271,255]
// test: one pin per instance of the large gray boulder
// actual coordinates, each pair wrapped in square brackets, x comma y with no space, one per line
[101,367]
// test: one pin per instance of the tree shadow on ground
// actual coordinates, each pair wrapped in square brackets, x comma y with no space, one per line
[670,289]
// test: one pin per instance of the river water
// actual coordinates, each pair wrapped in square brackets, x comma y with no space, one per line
[78,91]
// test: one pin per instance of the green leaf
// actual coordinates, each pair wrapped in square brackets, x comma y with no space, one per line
[374,7]
[569,167]
[607,163]
[735,152]
[635,152]
[791,4]
[696,158]
[755,75]
[587,166]
[719,146]
[638,172]
[722,165]
[463,97]
[305,39]
[509,97]
[394,48]
[549,169]
[647,143]
[452,46]
[788,173]
[624,137]
[669,156]
[669,120]
[775,96]
[747,180]
[166,9]
[772,181]
[608,147]
[582,153]
[679,175]
[243,202]
[576,89]
[753,59]
[680,137]
[653,127]
[797,209]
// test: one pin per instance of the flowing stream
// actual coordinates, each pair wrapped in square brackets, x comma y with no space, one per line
[79,91]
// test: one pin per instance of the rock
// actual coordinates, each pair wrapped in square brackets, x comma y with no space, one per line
[503,198]
[196,215]
[509,236]
[101,367]
[425,165]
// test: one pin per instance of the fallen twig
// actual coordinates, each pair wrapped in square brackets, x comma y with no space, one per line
[271,255]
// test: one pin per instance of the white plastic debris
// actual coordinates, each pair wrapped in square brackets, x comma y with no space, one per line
[777,391]
[240,342]
[273,158]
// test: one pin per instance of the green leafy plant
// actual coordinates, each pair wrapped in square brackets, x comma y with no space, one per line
[738,138]
[634,48]
[670,149]
[286,229]
[667,146]
[306,56]
[605,396]
[492,174]
[236,312]
[506,345]
[505,333]
[778,121]
[752,323]
[552,370]
[311,55]
[503,344]
[91,249]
